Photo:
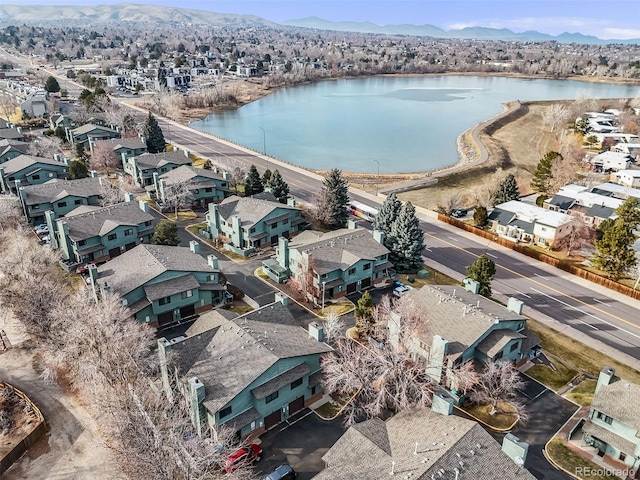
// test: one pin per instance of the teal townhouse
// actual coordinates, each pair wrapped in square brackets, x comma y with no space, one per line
[30,170]
[250,223]
[11,149]
[90,132]
[613,426]
[334,264]
[59,120]
[122,147]
[143,167]
[161,285]
[12,134]
[246,373]
[59,196]
[205,186]
[98,234]
[463,326]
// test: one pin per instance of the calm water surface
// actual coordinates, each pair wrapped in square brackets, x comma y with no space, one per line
[408,124]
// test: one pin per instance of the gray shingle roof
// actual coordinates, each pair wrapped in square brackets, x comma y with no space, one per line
[10,133]
[366,451]
[619,400]
[169,287]
[156,160]
[241,350]
[135,143]
[250,210]
[89,127]
[143,263]
[285,378]
[244,418]
[339,249]
[103,220]
[187,173]
[609,437]
[563,203]
[497,340]
[7,145]
[22,162]
[58,189]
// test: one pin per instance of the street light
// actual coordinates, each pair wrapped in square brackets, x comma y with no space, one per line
[264,145]
[377,176]
[323,289]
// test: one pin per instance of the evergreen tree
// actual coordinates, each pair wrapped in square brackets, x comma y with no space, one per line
[542,176]
[481,217]
[266,177]
[52,85]
[207,164]
[629,214]
[407,240]
[80,153]
[166,233]
[482,271]
[387,214]
[78,169]
[507,190]
[615,254]
[335,197]
[279,188]
[364,313]
[253,182]
[153,133]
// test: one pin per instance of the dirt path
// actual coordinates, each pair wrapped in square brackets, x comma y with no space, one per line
[73,448]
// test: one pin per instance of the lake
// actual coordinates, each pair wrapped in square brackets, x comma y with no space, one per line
[407,124]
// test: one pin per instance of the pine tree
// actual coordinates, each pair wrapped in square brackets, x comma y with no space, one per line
[482,271]
[480,216]
[153,133]
[543,174]
[52,85]
[407,240]
[266,177]
[507,190]
[615,254]
[78,169]
[335,195]
[629,214]
[364,313]
[387,214]
[207,164]
[278,187]
[253,182]
[166,233]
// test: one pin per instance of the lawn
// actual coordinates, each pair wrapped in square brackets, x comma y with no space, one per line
[340,308]
[554,378]
[582,394]
[240,308]
[504,420]
[577,355]
[572,461]
[182,215]
[434,278]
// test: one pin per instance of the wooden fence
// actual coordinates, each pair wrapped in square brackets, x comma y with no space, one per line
[36,434]
[543,257]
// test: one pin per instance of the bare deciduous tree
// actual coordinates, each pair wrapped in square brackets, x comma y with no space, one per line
[334,328]
[104,158]
[177,195]
[112,193]
[499,382]
[44,146]
[554,116]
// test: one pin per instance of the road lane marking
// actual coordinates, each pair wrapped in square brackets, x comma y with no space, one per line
[599,301]
[428,249]
[523,294]
[454,239]
[491,255]
[567,305]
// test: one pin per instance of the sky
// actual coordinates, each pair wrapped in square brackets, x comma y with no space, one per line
[613,19]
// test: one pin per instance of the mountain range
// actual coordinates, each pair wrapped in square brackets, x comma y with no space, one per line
[84,15]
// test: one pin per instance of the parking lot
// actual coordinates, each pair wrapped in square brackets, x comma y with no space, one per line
[301,443]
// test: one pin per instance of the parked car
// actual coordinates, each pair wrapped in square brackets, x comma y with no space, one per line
[401,290]
[46,240]
[459,212]
[42,229]
[242,456]
[82,269]
[283,472]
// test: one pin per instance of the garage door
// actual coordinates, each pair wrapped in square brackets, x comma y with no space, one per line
[187,311]
[165,318]
[114,252]
[351,287]
[272,420]
[296,405]
[365,283]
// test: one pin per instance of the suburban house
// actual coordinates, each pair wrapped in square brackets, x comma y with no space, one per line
[205,186]
[626,178]
[11,134]
[143,167]
[30,170]
[249,223]
[161,285]
[632,149]
[59,120]
[612,161]
[463,326]
[580,201]
[524,222]
[247,373]
[424,444]
[90,132]
[123,147]
[11,149]
[613,426]
[333,264]
[35,105]
[60,196]
[98,234]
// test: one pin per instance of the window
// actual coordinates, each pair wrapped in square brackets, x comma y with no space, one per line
[296,384]
[147,223]
[82,242]
[62,204]
[223,185]
[498,355]
[252,230]
[366,266]
[225,412]
[352,271]
[36,177]
[77,202]
[514,347]
[273,225]
[323,276]
[112,236]
[187,294]
[285,221]
[35,207]
[208,190]
[164,301]
[271,398]
[604,418]
[622,456]
[128,231]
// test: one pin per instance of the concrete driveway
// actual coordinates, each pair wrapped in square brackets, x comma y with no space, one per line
[301,443]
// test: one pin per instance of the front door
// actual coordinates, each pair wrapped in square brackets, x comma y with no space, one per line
[272,420]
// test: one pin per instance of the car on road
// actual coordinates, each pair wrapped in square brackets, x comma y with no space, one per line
[401,290]
[283,472]
[242,456]
[41,229]
[459,212]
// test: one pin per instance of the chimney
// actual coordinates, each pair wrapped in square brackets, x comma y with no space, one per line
[143,139]
[437,356]
[212,261]
[283,252]
[515,449]
[123,157]
[19,130]
[291,201]
[128,197]
[514,305]
[442,402]
[144,205]
[470,285]
[605,378]
[282,298]
[352,224]
[57,157]
[194,246]
[94,174]
[187,154]
[316,331]
[378,236]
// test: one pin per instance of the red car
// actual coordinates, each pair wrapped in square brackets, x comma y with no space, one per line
[242,456]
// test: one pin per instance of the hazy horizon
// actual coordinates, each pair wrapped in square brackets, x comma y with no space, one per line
[617,19]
